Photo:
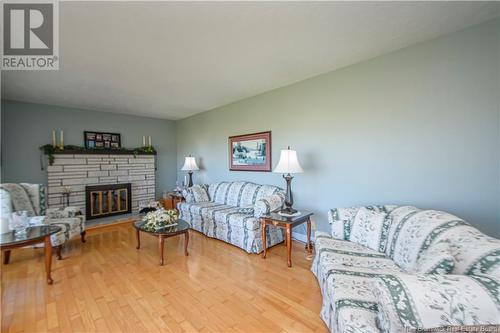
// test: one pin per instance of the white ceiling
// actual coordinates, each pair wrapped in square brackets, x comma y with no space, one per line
[175,59]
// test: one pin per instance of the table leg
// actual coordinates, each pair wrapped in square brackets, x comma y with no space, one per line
[186,242]
[48,259]
[138,236]
[160,248]
[264,238]
[309,247]
[289,244]
[6,257]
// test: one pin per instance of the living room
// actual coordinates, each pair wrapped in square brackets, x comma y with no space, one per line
[251,166]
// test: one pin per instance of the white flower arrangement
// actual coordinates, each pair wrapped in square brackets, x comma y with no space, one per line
[159,219]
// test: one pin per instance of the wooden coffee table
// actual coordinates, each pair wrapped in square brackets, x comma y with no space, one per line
[182,227]
[34,235]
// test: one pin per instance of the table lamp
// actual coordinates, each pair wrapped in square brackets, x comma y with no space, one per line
[288,165]
[190,166]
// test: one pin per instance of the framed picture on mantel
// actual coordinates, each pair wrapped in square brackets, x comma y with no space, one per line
[250,152]
[100,140]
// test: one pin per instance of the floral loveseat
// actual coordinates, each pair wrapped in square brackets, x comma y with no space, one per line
[230,211]
[32,199]
[400,269]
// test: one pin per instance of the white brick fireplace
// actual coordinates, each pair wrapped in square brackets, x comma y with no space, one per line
[80,170]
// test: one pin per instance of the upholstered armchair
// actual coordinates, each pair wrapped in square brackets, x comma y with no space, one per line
[32,199]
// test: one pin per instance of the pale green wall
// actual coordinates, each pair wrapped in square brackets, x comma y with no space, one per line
[26,126]
[418,126]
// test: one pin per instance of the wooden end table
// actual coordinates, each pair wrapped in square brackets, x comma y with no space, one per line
[34,235]
[286,223]
[182,227]
[173,200]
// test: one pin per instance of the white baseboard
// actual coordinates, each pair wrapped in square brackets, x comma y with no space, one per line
[301,237]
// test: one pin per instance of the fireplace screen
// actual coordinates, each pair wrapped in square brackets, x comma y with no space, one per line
[107,200]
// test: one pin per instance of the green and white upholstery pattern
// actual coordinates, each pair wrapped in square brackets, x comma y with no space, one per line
[411,302]
[196,193]
[417,242]
[435,260]
[345,272]
[32,198]
[231,214]
[416,232]
[266,205]
[362,219]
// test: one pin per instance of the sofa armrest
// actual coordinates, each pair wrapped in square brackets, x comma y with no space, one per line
[266,205]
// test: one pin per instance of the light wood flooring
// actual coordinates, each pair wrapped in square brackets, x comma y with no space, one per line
[106,285]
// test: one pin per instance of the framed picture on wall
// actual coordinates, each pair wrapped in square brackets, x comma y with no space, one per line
[101,140]
[250,152]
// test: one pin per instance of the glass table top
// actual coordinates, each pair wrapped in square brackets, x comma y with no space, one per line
[32,233]
[181,226]
[275,216]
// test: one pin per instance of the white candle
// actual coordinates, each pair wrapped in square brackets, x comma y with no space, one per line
[143,140]
[53,138]
[149,140]
[62,139]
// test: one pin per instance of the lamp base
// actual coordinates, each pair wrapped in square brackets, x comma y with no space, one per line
[288,211]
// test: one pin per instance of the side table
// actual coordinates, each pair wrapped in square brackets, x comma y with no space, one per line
[173,199]
[287,223]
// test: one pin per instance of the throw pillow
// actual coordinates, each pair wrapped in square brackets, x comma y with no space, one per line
[196,193]
[370,228]
[435,260]
[423,302]
[200,193]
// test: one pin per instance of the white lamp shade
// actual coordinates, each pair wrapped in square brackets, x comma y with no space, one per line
[190,164]
[288,162]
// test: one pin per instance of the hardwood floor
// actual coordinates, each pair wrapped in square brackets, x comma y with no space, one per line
[107,285]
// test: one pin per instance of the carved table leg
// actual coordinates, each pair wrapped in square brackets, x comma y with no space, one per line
[186,242]
[160,248]
[48,259]
[83,233]
[6,257]
[138,236]
[264,239]
[289,244]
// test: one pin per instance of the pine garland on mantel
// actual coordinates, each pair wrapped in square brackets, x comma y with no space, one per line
[50,151]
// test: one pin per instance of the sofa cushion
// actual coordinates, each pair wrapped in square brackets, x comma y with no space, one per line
[435,260]
[194,213]
[195,193]
[19,198]
[342,219]
[430,301]
[266,205]
[369,228]
[37,195]
[240,194]
[473,251]
[416,232]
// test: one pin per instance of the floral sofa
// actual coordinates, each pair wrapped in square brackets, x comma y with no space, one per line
[32,199]
[400,269]
[230,211]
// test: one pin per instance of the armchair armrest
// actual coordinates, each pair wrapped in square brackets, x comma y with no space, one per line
[266,205]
